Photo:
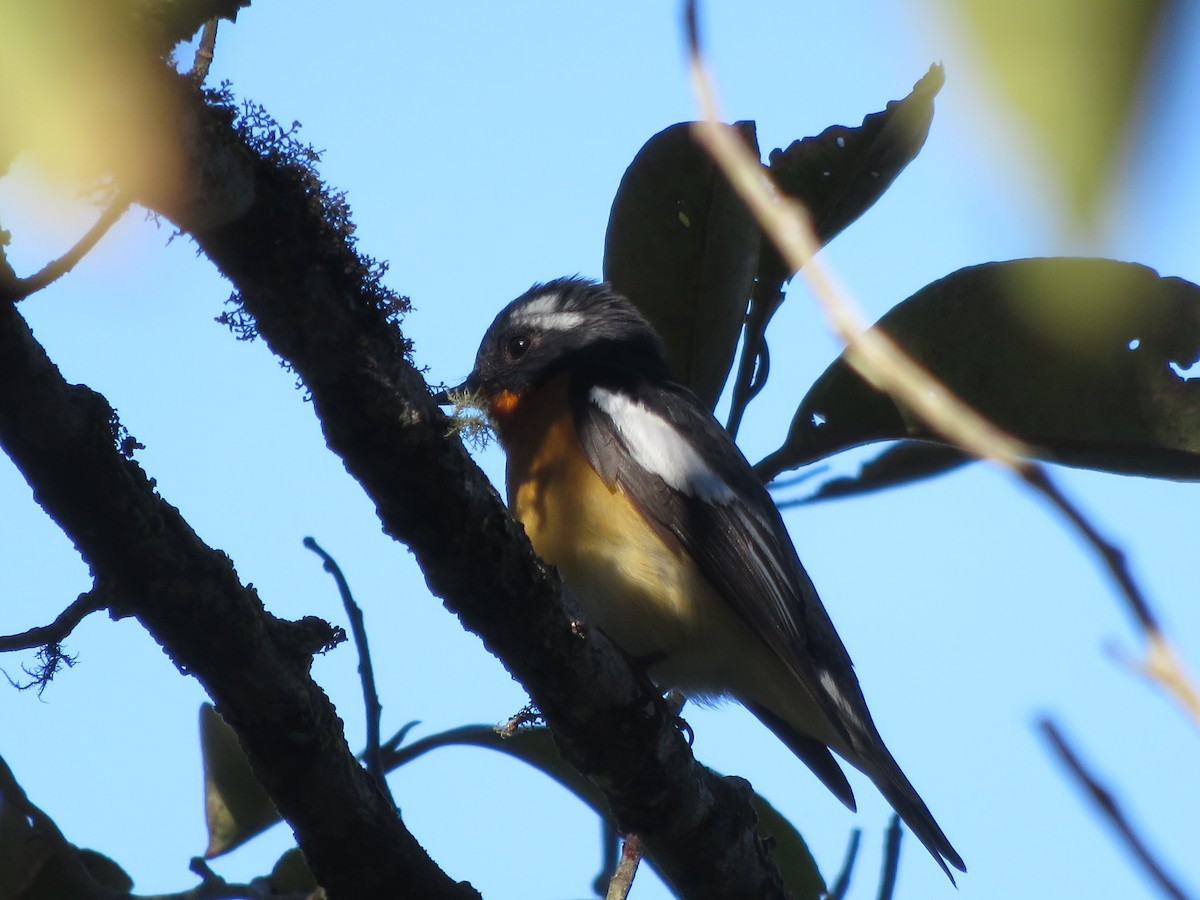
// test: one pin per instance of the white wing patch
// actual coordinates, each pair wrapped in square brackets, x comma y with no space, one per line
[844,705]
[658,448]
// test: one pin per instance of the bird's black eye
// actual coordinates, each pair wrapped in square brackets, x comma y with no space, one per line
[516,346]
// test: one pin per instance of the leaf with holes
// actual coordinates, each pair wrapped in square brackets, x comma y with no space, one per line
[1090,361]
[839,174]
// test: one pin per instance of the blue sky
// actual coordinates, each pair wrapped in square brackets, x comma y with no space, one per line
[480,152]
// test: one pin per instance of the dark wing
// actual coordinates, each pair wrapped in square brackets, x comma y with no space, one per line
[688,478]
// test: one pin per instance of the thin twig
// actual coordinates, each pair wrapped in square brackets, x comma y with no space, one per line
[755,363]
[610,855]
[18,290]
[372,756]
[888,368]
[213,887]
[1108,805]
[841,884]
[891,858]
[622,880]
[204,52]
[56,631]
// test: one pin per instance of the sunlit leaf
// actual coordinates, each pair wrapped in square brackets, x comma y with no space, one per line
[1071,70]
[85,94]
[236,808]
[684,248]
[1089,360]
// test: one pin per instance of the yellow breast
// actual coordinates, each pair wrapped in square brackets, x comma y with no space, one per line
[617,567]
[645,593]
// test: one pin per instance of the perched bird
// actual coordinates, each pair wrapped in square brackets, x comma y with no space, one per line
[670,544]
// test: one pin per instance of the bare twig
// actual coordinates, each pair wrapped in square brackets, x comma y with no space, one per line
[622,880]
[1108,805]
[841,884]
[56,631]
[891,858]
[204,53]
[755,363]
[371,755]
[18,290]
[882,363]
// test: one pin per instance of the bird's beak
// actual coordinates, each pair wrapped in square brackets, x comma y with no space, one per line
[443,398]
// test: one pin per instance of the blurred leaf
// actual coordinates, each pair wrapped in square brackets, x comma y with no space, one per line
[900,464]
[684,248]
[291,874]
[838,175]
[1071,69]
[236,808]
[1085,359]
[86,93]
[536,747]
[105,871]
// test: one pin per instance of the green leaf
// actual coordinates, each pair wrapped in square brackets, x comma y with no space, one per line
[839,174]
[1071,70]
[291,874]
[105,871]
[23,854]
[1085,359]
[790,852]
[684,248]
[236,808]
[37,863]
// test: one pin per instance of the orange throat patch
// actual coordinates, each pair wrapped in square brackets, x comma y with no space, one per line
[502,406]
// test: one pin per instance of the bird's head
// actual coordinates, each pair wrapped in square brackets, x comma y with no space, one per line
[556,326]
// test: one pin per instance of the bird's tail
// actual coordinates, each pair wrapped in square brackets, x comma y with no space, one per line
[903,797]
[866,751]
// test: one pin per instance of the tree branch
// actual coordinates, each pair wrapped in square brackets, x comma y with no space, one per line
[56,631]
[320,308]
[204,53]
[16,290]
[371,754]
[886,366]
[1108,806]
[65,440]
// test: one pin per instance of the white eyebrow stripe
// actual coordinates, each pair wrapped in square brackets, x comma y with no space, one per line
[548,321]
[658,448]
[546,303]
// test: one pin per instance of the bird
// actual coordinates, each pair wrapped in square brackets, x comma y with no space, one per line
[669,543]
